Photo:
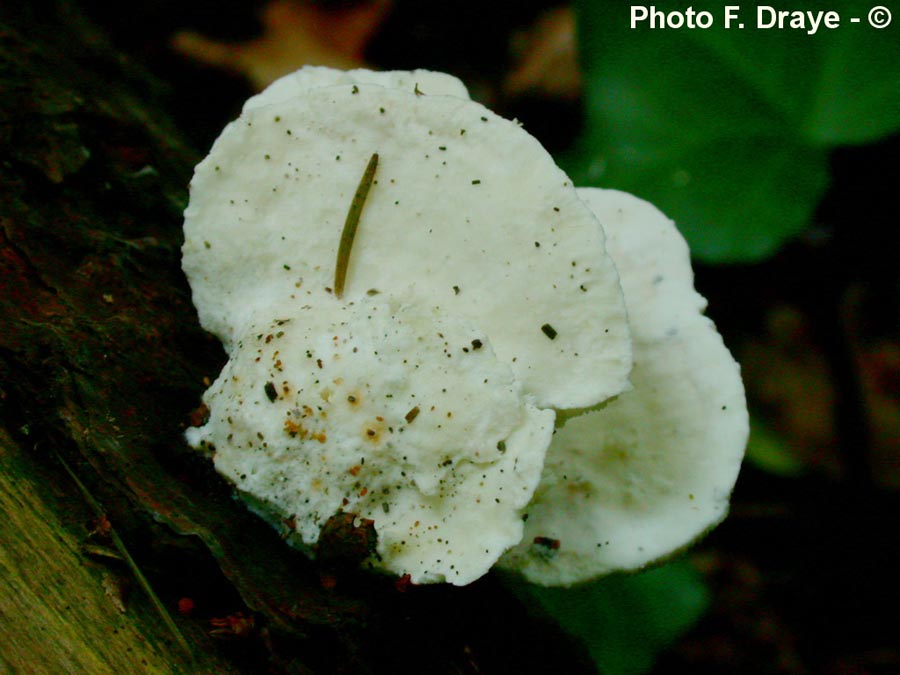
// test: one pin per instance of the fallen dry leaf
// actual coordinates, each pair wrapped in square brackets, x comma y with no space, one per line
[788,377]
[880,374]
[546,58]
[295,34]
[790,380]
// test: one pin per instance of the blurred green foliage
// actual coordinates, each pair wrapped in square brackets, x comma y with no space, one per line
[729,131]
[770,451]
[624,621]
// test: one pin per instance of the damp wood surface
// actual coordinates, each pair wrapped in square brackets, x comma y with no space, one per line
[62,612]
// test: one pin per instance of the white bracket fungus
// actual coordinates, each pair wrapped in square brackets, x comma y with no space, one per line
[395,414]
[468,214]
[652,470]
[399,345]
[423,82]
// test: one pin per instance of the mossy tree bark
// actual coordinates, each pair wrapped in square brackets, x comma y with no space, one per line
[101,362]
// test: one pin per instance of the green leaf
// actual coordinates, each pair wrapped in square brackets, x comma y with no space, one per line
[728,131]
[770,452]
[624,621]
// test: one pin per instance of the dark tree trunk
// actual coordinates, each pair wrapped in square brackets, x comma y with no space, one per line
[101,363]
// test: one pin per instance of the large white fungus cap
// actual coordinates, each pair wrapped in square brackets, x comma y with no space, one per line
[300,81]
[468,216]
[396,415]
[653,469]
[479,307]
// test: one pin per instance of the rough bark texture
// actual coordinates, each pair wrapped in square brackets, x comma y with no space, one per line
[61,612]
[101,362]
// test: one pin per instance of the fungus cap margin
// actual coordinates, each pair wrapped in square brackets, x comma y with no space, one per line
[652,470]
[423,82]
[396,415]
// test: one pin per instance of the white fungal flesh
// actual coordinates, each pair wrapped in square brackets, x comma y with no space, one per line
[468,215]
[292,85]
[394,414]
[652,470]
[480,304]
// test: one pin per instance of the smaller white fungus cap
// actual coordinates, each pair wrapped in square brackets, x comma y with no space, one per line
[468,214]
[391,413]
[653,469]
[292,85]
